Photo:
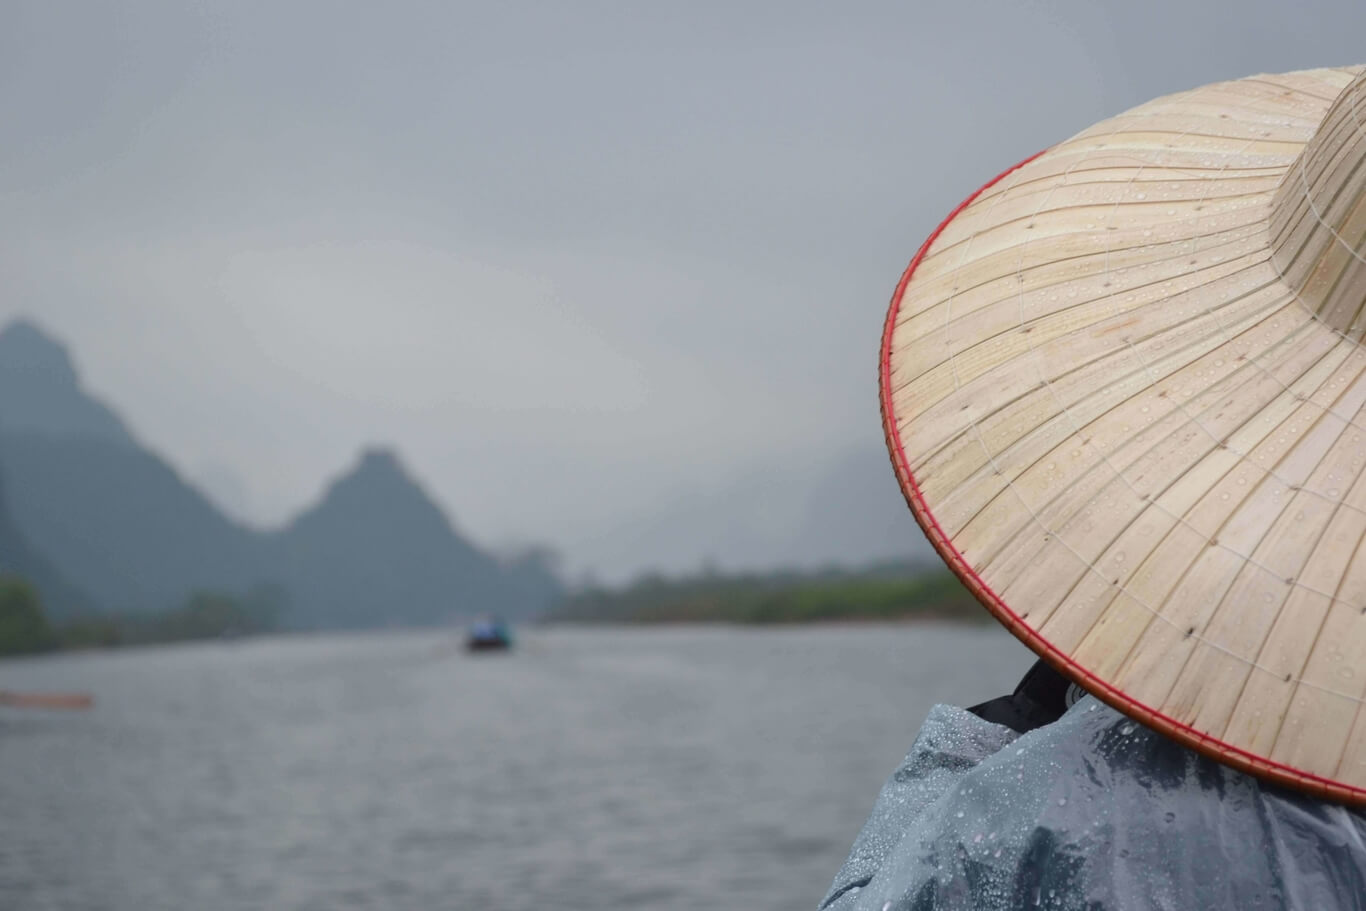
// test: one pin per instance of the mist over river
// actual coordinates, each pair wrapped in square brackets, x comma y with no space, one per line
[643,768]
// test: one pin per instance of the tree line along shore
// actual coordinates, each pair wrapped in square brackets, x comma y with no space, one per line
[886,592]
[26,629]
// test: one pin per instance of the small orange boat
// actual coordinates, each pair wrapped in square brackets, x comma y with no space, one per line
[47,700]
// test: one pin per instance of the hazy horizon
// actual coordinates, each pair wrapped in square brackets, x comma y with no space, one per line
[609,278]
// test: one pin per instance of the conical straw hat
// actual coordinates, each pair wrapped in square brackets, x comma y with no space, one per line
[1125,394]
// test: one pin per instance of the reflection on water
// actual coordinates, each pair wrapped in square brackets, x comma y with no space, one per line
[618,768]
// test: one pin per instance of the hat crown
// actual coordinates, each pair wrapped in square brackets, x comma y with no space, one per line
[1318,222]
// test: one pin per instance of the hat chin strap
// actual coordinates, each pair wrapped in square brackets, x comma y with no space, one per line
[1318,220]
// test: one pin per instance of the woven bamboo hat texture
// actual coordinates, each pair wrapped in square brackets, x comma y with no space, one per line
[1124,390]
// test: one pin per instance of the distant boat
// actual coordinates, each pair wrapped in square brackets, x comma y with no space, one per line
[488,636]
[47,700]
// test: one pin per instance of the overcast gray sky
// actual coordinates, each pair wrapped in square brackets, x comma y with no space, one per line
[584,264]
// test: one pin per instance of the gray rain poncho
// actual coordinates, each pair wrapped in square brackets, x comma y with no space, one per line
[1091,812]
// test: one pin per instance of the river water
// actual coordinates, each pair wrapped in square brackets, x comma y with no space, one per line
[659,768]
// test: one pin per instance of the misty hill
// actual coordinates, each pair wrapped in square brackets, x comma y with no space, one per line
[376,542]
[848,510]
[41,394]
[17,557]
[855,512]
[116,519]
[120,524]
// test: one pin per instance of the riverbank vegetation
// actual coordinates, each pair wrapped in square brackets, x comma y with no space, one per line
[25,628]
[884,592]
